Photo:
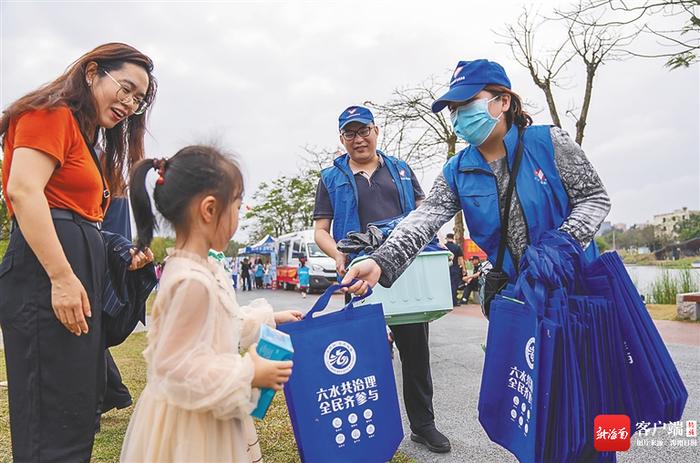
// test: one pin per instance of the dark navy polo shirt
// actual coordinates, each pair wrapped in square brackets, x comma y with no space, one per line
[378,196]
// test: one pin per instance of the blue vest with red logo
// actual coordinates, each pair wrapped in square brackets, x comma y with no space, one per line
[542,196]
[342,190]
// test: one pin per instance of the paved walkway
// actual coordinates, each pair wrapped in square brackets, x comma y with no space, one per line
[457,362]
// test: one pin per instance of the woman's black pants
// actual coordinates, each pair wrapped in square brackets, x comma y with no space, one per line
[55,379]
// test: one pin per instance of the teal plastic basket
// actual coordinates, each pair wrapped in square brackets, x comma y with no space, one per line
[421,294]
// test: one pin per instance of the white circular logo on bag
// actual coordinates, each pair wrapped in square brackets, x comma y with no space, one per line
[339,357]
[530,353]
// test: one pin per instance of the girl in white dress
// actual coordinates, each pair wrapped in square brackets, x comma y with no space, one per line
[200,390]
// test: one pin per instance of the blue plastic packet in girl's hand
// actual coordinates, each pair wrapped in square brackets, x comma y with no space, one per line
[273,345]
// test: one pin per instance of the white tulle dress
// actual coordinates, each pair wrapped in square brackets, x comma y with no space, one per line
[197,401]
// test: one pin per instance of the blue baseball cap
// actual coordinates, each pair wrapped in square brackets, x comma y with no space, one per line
[469,78]
[355,114]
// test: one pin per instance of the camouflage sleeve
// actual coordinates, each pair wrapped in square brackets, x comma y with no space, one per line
[415,231]
[590,202]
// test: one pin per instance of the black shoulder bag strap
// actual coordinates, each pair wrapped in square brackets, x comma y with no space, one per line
[105,190]
[496,279]
[509,199]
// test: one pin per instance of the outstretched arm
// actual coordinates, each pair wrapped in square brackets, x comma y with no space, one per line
[408,238]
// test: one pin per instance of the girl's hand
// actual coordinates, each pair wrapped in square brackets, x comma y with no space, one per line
[140,259]
[70,303]
[270,374]
[287,316]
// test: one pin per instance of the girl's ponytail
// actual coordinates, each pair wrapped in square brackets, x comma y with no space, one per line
[141,203]
[192,171]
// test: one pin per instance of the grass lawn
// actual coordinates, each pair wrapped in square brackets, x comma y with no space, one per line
[665,312]
[275,432]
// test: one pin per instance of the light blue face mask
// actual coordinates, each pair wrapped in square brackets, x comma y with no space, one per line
[473,123]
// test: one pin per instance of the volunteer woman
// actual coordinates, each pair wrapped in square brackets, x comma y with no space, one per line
[556,186]
[51,276]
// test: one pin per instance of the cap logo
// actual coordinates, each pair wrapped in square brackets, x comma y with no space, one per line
[457,71]
[352,111]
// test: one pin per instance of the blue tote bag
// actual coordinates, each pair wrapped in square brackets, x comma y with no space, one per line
[342,396]
[507,399]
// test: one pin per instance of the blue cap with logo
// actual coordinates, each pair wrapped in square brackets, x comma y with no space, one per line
[469,78]
[355,114]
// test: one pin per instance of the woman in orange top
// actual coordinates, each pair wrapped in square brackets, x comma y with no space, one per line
[52,273]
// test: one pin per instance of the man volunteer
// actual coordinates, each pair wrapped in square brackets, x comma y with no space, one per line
[364,186]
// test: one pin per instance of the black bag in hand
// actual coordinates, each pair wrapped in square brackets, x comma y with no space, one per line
[494,282]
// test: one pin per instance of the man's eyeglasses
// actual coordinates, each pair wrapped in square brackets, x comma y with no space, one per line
[351,134]
[125,97]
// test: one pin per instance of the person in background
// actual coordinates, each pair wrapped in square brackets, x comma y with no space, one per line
[245,274]
[234,272]
[259,273]
[266,276]
[456,266]
[304,277]
[116,395]
[471,282]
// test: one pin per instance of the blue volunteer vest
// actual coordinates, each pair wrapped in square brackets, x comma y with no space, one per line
[342,190]
[539,188]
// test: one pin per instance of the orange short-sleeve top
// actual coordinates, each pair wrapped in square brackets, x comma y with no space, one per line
[76,184]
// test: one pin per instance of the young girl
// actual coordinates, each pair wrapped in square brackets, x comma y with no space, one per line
[200,389]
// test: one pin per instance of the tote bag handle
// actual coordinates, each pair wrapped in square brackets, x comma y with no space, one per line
[323,301]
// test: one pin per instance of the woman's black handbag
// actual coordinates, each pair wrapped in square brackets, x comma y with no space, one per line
[497,279]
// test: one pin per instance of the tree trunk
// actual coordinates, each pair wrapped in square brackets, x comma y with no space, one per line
[581,122]
[551,104]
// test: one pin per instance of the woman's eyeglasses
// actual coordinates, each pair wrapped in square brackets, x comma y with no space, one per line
[124,96]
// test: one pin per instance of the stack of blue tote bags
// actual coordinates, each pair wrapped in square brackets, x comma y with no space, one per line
[571,340]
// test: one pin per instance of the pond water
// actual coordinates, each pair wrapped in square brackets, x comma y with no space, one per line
[644,275]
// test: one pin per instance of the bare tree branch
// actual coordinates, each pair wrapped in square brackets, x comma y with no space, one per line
[683,39]
[544,67]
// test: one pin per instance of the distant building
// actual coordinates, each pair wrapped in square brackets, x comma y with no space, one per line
[664,223]
[620,227]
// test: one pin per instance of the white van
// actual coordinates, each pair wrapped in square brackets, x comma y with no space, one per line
[290,248]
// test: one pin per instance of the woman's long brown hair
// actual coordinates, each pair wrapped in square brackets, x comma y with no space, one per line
[123,144]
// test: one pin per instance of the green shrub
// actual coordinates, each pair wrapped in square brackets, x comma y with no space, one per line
[665,287]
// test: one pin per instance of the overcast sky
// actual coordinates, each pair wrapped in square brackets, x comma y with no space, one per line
[267,78]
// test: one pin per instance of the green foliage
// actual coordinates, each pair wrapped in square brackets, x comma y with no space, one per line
[4,216]
[3,247]
[232,248]
[284,205]
[665,287]
[687,283]
[159,246]
[636,237]
[602,244]
[688,228]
